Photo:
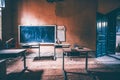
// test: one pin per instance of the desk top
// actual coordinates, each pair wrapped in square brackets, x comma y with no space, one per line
[82,50]
[11,51]
[62,45]
[77,50]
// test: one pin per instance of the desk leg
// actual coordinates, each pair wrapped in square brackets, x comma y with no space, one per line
[64,72]
[39,51]
[54,53]
[86,64]
[24,56]
[63,62]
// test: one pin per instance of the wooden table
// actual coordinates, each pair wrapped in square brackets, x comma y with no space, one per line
[13,53]
[61,46]
[38,45]
[82,51]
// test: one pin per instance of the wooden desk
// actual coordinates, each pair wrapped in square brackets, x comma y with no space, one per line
[82,51]
[38,45]
[34,45]
[13,53]
[56,46]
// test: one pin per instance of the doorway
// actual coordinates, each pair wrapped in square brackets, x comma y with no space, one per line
[108,33]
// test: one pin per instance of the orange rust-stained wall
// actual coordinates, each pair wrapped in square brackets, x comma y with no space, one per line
[78,17]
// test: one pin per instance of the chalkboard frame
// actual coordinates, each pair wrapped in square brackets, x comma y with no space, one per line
[36,42]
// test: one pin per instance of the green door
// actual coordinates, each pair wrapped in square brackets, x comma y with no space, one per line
[101,35]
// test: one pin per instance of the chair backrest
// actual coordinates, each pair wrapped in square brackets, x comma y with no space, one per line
[10,43]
